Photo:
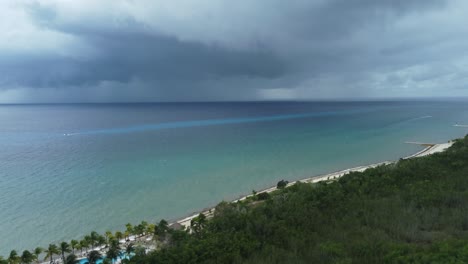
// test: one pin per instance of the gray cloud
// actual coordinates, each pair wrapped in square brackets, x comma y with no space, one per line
[220,50]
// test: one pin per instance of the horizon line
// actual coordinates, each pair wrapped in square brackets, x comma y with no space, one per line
[364,99]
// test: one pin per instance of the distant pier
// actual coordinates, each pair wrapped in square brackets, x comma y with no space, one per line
[425,144]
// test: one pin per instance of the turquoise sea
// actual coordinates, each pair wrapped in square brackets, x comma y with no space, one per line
[67,170]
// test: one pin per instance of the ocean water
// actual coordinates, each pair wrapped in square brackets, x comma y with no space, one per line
[67,170]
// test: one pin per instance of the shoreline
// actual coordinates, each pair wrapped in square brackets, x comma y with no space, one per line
[428,150]
[209,212]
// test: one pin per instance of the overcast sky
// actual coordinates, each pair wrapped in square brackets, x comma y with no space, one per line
[211,50]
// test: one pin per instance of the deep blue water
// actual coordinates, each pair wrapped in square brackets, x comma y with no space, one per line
[66,170]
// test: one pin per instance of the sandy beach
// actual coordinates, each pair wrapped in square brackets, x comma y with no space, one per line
[185,222]
[428,150]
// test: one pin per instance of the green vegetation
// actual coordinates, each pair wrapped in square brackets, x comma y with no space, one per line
[51,251]
[414,211]
[94,256]
[282,184]
[262,196]
[71,259]
[66,251]
[64,248]
[27,257]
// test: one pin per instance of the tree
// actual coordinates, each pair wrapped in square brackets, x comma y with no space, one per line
[37,253]
[71,259]
[101,240]
[161,230]
[119,235]
[144,226]
[74,244]
[64,248]
[150,229]
[129,230]
[109,236]
[51,251]
[27,257]
[114,243]
[140,251]
[163,224]
[83,245]
[3,261]
[112,253]
[263,196]
[129,249]
[197,224]
[94,238]
[138,230]
[281,184]
[94,256]
[114,250]
[13,258]
[87,241]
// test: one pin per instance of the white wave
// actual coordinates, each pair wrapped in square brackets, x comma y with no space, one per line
[418,118]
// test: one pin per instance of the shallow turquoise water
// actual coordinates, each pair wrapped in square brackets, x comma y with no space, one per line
[66,170]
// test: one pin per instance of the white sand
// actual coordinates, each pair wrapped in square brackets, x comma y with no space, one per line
[433,148]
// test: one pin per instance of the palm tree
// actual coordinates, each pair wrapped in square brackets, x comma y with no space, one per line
[94,238]
[27,257]
[101,240]
[71,259]
[141,228]
[198,224]
[84,244]
[163,224]
[112,253]
[114,250]
[119,235]
[150,229]
[37,253]
[129,249]
[64,248]
[13,258]
[51,251]
[114,243]
[89,241]
[129,230]
[161,230]
[94,256]
[108,236]
[138,230]
[144,224]
[74,244]
[79,247]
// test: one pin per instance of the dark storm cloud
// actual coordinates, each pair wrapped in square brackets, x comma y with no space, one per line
[242,51]
[123,57]
[125,54]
